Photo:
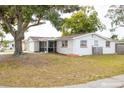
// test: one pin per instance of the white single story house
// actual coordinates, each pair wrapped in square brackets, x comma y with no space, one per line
[11,45]
[41,44]
[79,44]
[85,44]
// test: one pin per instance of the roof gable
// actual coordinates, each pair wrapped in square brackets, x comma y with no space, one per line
[76,36]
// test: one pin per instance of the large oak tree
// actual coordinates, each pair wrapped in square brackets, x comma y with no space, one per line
[18,19]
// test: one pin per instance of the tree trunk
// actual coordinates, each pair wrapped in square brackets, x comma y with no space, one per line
[18,47]
[18,44]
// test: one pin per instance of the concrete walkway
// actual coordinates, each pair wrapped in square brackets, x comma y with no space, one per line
[113,82]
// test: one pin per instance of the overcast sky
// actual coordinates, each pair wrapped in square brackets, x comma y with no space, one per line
[47,30]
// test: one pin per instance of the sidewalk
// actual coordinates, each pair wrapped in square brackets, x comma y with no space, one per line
[113,82]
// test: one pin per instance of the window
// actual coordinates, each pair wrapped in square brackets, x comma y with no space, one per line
[95,42]
[65,43]
[83,43]
[107,44]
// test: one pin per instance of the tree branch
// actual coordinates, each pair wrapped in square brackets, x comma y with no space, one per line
[11,29]
[24,26]
[38,23]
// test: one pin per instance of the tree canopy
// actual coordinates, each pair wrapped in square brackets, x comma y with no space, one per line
[116,15]
[31,16]
[114,37]
[1,37]
[18,19]
[83,21]
[1,34]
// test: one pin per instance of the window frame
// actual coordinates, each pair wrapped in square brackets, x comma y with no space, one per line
[83,45]
[108,42]
[64,43]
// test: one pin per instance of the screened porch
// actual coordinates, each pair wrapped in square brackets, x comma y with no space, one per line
[47,46]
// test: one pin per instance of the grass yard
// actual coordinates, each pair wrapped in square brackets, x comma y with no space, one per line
[51,70]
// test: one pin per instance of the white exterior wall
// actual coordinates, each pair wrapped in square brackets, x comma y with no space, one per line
[31,46]
[63,50]
[102,43]
[36,46]
[109,50]
[74,46]
[83,51]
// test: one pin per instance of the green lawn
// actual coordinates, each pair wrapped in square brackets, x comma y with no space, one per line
[50,70]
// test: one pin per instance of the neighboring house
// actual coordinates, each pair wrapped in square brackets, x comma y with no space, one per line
[11,45]
[120,47]
[81,44]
